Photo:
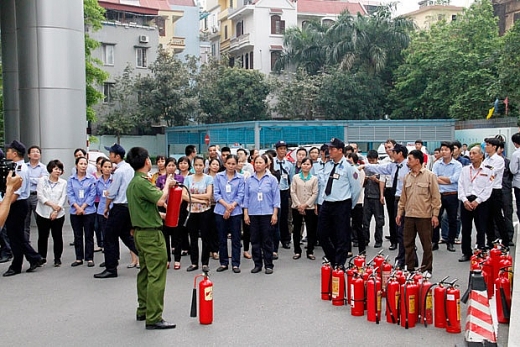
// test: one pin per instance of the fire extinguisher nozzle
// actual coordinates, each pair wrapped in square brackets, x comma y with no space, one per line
[193,312]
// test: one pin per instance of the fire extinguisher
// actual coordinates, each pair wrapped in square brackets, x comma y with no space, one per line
[357,291]
[426,298]
[495,253]
[392,300]
[409,291]
[350,275]
[338,287]
[359,262]
[452,308]
[385,274]
[378,261]
[374,298]
[506,261]
[487,273]
[503,295]
[439,308]
[205,299]
[173,208]
[326,273]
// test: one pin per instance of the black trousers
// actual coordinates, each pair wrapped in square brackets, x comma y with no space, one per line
[261,240]
[311,223]
[20,246]
[55,227]
[496,218]
[390,208]
[199,223]
[118,226]
[357,228]
[480,216]
[334,232]
[83,225]
[283,222]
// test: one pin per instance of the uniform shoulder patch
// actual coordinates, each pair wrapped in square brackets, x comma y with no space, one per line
[355,175]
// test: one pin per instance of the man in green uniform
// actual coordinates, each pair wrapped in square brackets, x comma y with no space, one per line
[143,200]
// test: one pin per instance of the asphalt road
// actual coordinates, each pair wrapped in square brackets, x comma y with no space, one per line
[67,307]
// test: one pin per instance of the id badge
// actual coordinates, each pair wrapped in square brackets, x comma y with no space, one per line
[228,188]
[335,176]
[81,194]
[105,193]
[260,196]
[284,176]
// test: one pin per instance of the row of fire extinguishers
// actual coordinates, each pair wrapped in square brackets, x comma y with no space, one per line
[410,296]
[496,266]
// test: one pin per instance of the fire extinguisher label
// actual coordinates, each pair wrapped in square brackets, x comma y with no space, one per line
[411,304]
[450,297]
[335,287]
[458,309]
[429,303]
[208,293]
[378,301]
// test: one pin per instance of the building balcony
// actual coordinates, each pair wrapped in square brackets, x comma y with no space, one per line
[177,44]
[240,42]
[235,13]
[223,15]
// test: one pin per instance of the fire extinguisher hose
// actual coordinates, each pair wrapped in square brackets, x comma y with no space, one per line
[392,317]
[424,303]
[405,305]
[189,206]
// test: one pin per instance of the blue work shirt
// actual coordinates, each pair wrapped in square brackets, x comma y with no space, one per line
[82,192]
[345,184]
[120,180]
[463,160]
[286,169]
[101,187]
[35,173]
[451,170]
[389,169]
[261,204]
[21,170]
[230,191]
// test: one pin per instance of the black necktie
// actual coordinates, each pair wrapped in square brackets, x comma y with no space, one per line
[396,175]
[328,188]
[283,171]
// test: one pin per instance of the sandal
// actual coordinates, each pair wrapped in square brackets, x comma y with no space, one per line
[176,265]
[297,256]
[311,257]
[247,255]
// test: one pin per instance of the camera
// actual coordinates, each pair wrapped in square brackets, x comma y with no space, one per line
[5,167]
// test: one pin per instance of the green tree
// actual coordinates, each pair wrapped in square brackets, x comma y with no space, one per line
[508,83]
[168,94]
[123,115]
[95,76]
[450,71]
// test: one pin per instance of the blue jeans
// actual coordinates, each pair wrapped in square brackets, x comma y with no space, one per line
[225,227]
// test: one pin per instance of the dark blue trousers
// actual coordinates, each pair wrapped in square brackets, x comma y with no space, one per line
[334,232]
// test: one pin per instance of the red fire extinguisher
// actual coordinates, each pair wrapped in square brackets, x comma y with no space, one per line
[426,299]
[409,291]
[350,276]
[392,300]
[357,291]
[385,275]
[338,287]
[205,299]
[452,308]
[439,309]
[326,273]
[503,295]
[378,261]
[374,298]
[487,273]
[174,206]
[359,262]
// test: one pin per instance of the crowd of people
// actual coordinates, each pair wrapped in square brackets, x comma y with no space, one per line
[328,195]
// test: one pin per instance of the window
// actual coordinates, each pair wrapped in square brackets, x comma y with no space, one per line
[251,60]
[277,25]
[240,28]
[274,57]
[225,32]
[108,54]
[141,57]
[107,91]
[327,22]
[161,24]
[453,17]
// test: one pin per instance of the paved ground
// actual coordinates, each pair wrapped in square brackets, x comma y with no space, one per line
[67,307]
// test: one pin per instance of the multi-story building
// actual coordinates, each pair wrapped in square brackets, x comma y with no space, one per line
[328,11]
[182,34]
[508,12]
[430,12]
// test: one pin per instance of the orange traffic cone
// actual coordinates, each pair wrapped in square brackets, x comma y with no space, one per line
[479,323]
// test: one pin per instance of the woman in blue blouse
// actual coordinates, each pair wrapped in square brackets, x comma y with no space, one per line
[228,190]
[261,204]
[103,183]
[81,191]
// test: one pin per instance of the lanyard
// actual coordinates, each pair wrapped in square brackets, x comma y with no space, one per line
[472,178]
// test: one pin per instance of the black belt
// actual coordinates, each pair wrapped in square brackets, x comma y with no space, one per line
[121,205]
[449,193]
[34,193]
[336,202]
[148,229]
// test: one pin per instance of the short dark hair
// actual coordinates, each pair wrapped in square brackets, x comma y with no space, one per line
[159,157]
[314,148]
[225,149]
[457,144]
[242,150]
[307,159]
[78,159]
[136,157]
[169,160]
[392,141]
[271,152]
[438,149]
[448,144]
[301,149]
[80,150]
[372,154]
[232,156]
[198,157]
[417,154]
[189,150]
[353,156]
[184,159]
[516,138]
[493,141]
[54,163]
[103,161]
[33,147]
[348,148]
[218,161]
[419,141]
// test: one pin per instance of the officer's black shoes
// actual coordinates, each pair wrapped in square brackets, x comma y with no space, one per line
[106,274]
[393,247]
[435,246]
[464,258]
[450,247]
[10,272]
[162,324]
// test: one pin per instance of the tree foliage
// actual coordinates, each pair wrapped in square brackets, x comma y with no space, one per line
[450,70]
[95,76]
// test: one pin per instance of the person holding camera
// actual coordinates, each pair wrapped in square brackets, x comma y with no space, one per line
[15,221]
